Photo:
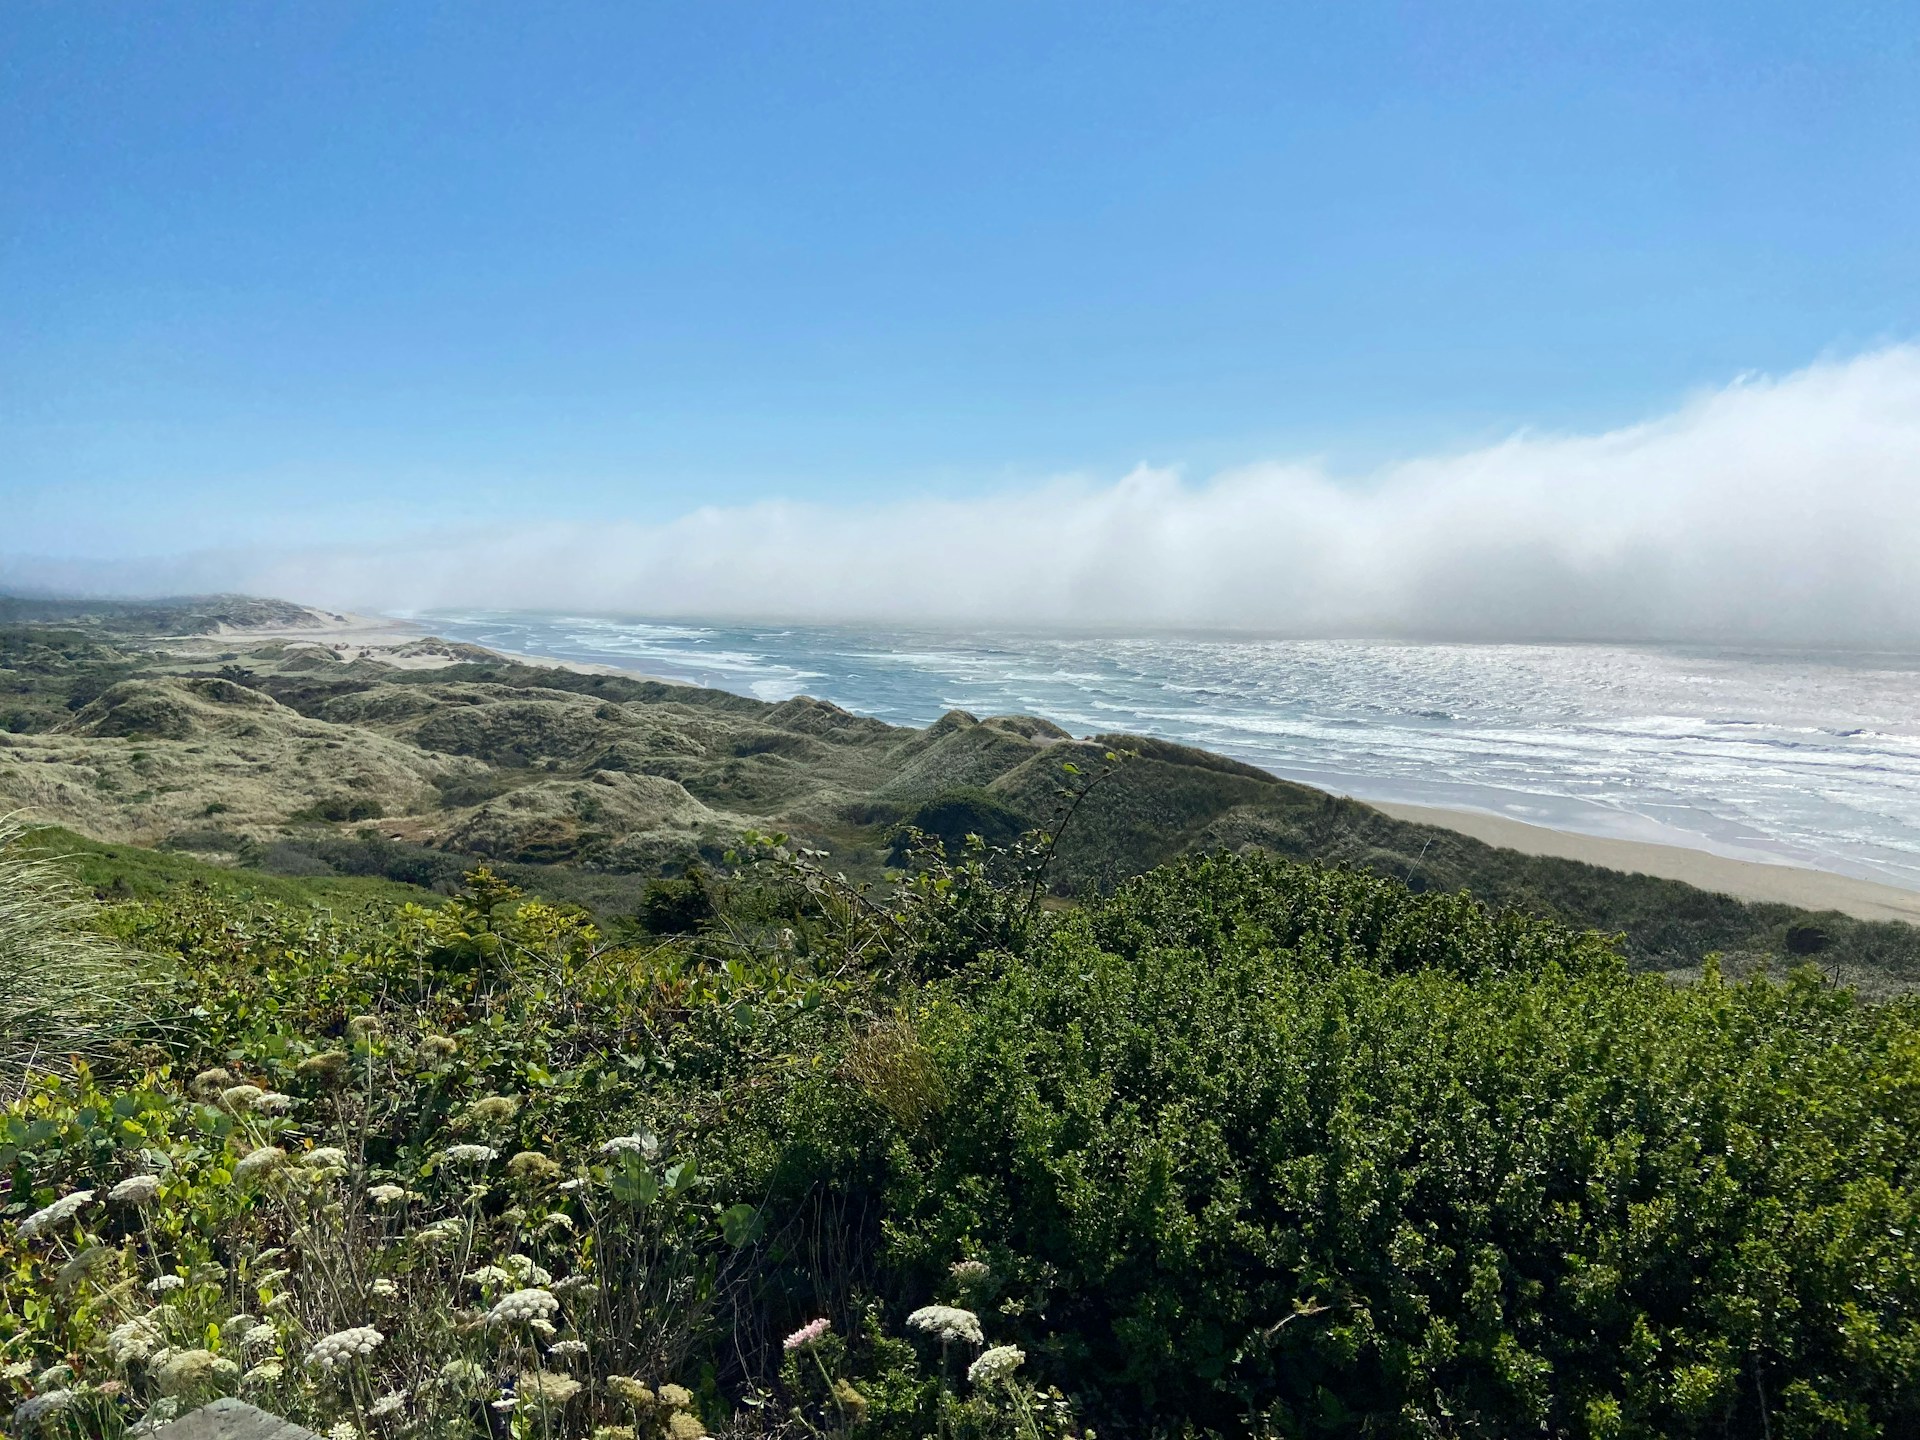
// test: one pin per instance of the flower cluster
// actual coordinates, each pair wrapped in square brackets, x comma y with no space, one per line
[135,1190]
[330,1352]
[947,1323]
[523,1307]
[807,1334]
[996,1365]
[55,1215]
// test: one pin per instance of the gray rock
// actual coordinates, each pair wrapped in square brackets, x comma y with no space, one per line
[233,1420]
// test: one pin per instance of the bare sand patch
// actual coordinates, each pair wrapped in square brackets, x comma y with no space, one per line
[1742,879]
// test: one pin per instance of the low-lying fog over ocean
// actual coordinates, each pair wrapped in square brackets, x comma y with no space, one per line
[1806,758]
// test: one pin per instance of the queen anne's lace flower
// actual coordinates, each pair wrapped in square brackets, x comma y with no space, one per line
[132,1340]
[469,1154]
[634,1392]
[265,1373]
[969,1272]
[996,1365]
[240,1097]
[387,1194]
[493,1109]
[684,1425]
[522,1307]
[391,1404]
[807,1334]
[272,1102]
[325,1157]
[161,1284]
[525,1271]
[261,1160]
[948,1322]
[638,1144]
[55,1215]
[330,1352]
[547,1387]
[135,1190]
[677,1396]
[185,1370]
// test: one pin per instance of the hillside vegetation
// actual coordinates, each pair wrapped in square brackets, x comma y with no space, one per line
[280,757]
[1248,1148]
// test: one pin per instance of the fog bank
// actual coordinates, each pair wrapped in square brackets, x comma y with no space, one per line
[1773,511]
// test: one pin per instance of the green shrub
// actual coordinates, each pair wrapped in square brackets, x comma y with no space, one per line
[1260,1142]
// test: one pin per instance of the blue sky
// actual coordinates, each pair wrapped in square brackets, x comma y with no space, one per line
[313,272]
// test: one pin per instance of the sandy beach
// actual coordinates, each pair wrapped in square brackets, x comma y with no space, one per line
[402,644]
[1743,879]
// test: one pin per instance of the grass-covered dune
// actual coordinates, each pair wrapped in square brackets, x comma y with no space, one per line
[280,757]
[1245,1148]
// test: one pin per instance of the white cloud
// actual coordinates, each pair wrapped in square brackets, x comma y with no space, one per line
[1780,510]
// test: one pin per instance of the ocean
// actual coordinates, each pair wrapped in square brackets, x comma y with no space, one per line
[1801,758]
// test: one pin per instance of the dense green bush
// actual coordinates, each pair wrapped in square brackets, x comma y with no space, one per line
[1257,1143]
[1247,1148]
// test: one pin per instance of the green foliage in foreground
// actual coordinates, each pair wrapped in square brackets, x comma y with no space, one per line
[1248,1148]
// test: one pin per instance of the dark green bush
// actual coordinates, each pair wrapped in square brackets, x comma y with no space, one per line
[1254,1141]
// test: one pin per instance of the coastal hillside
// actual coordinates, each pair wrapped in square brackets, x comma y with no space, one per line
[247,733]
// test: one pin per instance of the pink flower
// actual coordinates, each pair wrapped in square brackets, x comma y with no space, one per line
[808,1333]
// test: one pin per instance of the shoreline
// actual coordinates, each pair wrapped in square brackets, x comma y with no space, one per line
[386,639]
[1752,880]
[403,644]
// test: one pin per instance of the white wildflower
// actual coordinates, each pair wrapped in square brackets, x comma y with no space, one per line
[390,1404]
[135,1190]
[525,1271]
[996,1365]
[240,1097]
[265,1373]
[18,1370]
[969,1272]
[568,1349]
[343,1430]
[132,1340]
[161,1284]
[325,1157]
[520,1307]
[469,1154]
[387,1194]
[185,1370]
[54,1377]
[56,1214]
[489,1275]
[547,1387]
[642,1143]
[261,1160]
[272,1102]
[383,1288]
[947,1323]
[441,1232]
[330,1352]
